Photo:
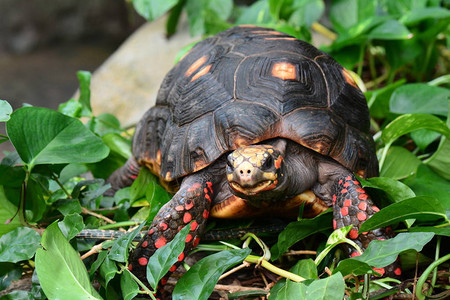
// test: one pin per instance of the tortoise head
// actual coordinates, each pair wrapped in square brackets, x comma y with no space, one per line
[255,172]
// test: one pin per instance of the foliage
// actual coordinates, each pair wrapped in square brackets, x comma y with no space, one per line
[397,48]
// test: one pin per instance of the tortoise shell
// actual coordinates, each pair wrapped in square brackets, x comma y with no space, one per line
[250,84]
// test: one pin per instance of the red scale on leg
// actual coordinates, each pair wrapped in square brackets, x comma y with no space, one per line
[172,268]
[133,177]
[362,205]
[340,181]
[189,204]
[188,238]
[362,191]
[347,184]
[194,187]
[205,190]
[363,197]
[348,202]
[207,197]
[344,211]
[379,270]
[375,209]
[144,244]
[348,178]
[143,261]
[361,216]
[334,199]
[205,214]
[195,242]
[353,234]
[398,271]
[160,242]
[163,226]
[150,232]
[187,217]
[356,253]
[209,184]
[356,182]
[179,208]
[181,256]
[334,224]
[194,225]
[343,191]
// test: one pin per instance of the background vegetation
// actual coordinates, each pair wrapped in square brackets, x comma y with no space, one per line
[398,51]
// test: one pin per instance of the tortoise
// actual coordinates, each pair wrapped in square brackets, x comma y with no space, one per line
[254,122]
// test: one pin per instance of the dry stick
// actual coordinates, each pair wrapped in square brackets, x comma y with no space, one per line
[94,250]
[415,277]
[90,212]
[235,269]
[300,252]
[236,288]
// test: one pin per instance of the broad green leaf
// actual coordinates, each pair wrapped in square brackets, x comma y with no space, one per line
[382,253]
[120,248]
[139,186]
[399,163]
[156,197]
[44,136]
[330,288]
[18,295]
[305,268]
[97,263]
[198,283]
[7,211]
[307,12]
[5,111]
[390,30]
[257,13]
[299,230]
[427,182]
[152,9]
[440,160]
[60,270]
[84,77]
[19,244]
[8,273]
[420,98]
[129,287]
[355,267]
[71,108]
[444,231]
[290,290]
[108,269]
[118,144]
[409,122]
[422,208]
[417,15]
[165,257]
[395,190]
[71,225]
[195,10]
[424,137]
[347,13]
[104,124]
[35,202]
[378,100]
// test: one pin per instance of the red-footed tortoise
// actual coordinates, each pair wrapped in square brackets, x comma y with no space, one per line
[253,122]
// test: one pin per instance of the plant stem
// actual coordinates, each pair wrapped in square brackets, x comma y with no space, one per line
[139,282]
[361,59]
[264,263]
[425,274]
[324,31]
[56,179]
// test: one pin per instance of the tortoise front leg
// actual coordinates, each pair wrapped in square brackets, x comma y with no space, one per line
[352,206]
[191,203]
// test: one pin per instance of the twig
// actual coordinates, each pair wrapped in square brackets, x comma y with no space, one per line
[235,269]
[415,276]
[84,210]
[300,252]
[94,250]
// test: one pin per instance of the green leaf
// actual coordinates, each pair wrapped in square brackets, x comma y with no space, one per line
[5,111]
[420,98]
[355,267]
[307,12]
[444,231]
[417,15]
[9,272]
[382,253]
[35,202]
[390,30]
[290,290]
[118,144]
[7,211]
[108,269]
[128,286]
[409,122]
[71,108]
[424,137]
[84,77]
[399,163]
[347,13]
[299,230]
[97,263]
[329,288]
[60,270]
[257,13]
[120,248]
[396,190]
[19,244]
[423,208]
[198,283]
[378,100]
[71,225]
[152,9]
[305,268]
[104,124]
[157,197]
[165,257]
[44,136]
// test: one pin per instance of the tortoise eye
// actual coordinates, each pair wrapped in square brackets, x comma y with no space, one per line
[268,163]
[230,164]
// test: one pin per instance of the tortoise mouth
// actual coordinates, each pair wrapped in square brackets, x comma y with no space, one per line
[251,190]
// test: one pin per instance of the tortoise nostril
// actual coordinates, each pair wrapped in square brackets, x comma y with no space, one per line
[242,172]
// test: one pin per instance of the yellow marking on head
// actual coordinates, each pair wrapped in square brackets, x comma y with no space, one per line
[278,162]
[238,161]
[195,66]
[202,72]
[270,176]
[349,78]
[255,160]
[284,70]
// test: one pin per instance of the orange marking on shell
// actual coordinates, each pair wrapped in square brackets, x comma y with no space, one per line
[361,216]
[281,38]
[172,268]
[194,225]
[348,202]
[348,77]
[344,211]
[144,244]
[187,217]
[195,66]
[143,261]
[278,162]
[188,238]
[353,234]
[362,205]
[398,271]
[160,242]
[201,73]
[267,32]
[284,70]
[181,256]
